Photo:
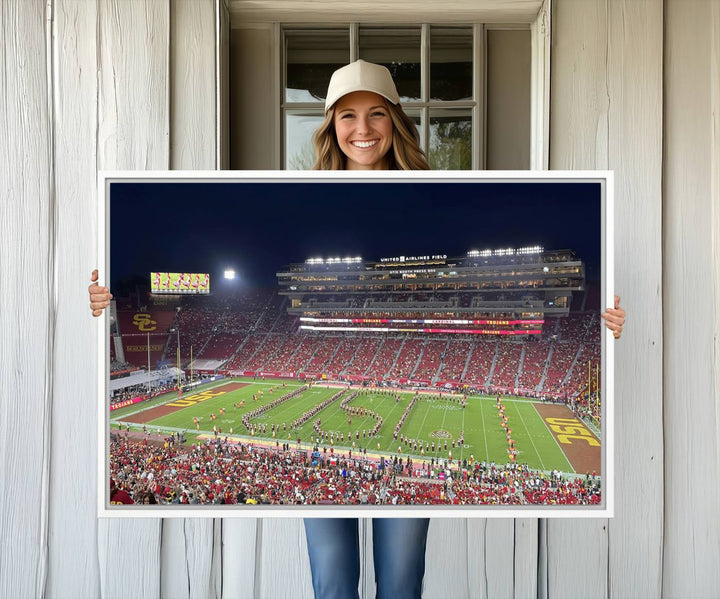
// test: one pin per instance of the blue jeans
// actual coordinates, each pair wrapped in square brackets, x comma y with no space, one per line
[398,552]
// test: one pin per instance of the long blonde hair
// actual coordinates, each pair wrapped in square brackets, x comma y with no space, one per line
[405,154]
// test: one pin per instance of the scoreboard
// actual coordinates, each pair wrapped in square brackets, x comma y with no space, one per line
[179,283]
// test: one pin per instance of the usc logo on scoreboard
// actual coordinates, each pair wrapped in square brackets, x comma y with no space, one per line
[144,323]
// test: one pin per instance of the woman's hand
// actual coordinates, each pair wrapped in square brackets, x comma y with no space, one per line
[99,296]
[615,318]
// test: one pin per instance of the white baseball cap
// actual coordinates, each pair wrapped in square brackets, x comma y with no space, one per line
[361,76]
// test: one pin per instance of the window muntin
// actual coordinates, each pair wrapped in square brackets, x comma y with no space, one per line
[435,73]
[310,59]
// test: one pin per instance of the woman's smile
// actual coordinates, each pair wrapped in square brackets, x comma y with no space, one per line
[364,130]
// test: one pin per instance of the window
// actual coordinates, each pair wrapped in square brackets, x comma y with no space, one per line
[437,69]
[479,94]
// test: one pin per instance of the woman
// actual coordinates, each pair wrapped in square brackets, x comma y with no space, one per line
[364,122]
[365,129]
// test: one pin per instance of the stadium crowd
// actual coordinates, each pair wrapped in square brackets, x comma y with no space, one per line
[143,391]
[219,472]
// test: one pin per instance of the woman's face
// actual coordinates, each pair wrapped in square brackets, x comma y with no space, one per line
[364,130]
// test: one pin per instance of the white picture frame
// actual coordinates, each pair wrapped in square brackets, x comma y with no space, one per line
[605,223]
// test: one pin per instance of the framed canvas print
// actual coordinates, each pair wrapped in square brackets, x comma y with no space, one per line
[356,344]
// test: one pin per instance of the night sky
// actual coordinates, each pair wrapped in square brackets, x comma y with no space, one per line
[256,228]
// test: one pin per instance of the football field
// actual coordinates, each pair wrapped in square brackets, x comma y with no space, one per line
[432,422]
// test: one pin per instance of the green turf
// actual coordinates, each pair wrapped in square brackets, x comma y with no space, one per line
[536,449]
[159,400]
[485,439]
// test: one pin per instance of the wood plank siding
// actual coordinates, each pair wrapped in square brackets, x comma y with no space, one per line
[143,84]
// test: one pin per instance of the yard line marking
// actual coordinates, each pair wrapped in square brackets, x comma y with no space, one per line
[542,464]
[394,407]
[487,450]
[556,441]
[422,426]
[462,430]
[442,428]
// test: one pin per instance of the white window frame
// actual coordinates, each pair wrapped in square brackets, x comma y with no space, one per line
[423,106]
[534,13]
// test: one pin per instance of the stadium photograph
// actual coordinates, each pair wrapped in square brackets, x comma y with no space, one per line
[382,343]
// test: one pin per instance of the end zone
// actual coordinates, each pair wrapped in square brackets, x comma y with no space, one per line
[580,446]
[181,403]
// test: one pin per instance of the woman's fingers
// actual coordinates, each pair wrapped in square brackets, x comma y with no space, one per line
[99,296]
[615,318]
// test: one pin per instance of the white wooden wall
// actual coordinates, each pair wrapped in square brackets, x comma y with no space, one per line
[115,84]
[691,296]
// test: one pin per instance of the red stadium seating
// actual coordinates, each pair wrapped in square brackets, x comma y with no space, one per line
[507,364]
[265,352]
[245,352]
[561,359]
[305,352]
[481,360]
[407,359]
[221,347]
[343,356]
[364,356]
[456,357]
[254,333]
[534,362]
[384,359]
[326,348]
[430,360]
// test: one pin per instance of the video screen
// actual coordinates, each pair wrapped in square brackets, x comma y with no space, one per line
[179,282]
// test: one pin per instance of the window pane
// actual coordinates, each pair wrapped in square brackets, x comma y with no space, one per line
[450,139]
[451,54]
[311,57]
[299,150]
[508,100]
[414,115]
[399,51]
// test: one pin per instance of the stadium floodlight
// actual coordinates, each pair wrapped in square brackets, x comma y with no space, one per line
[535,249]
[229,274]
[473,253]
